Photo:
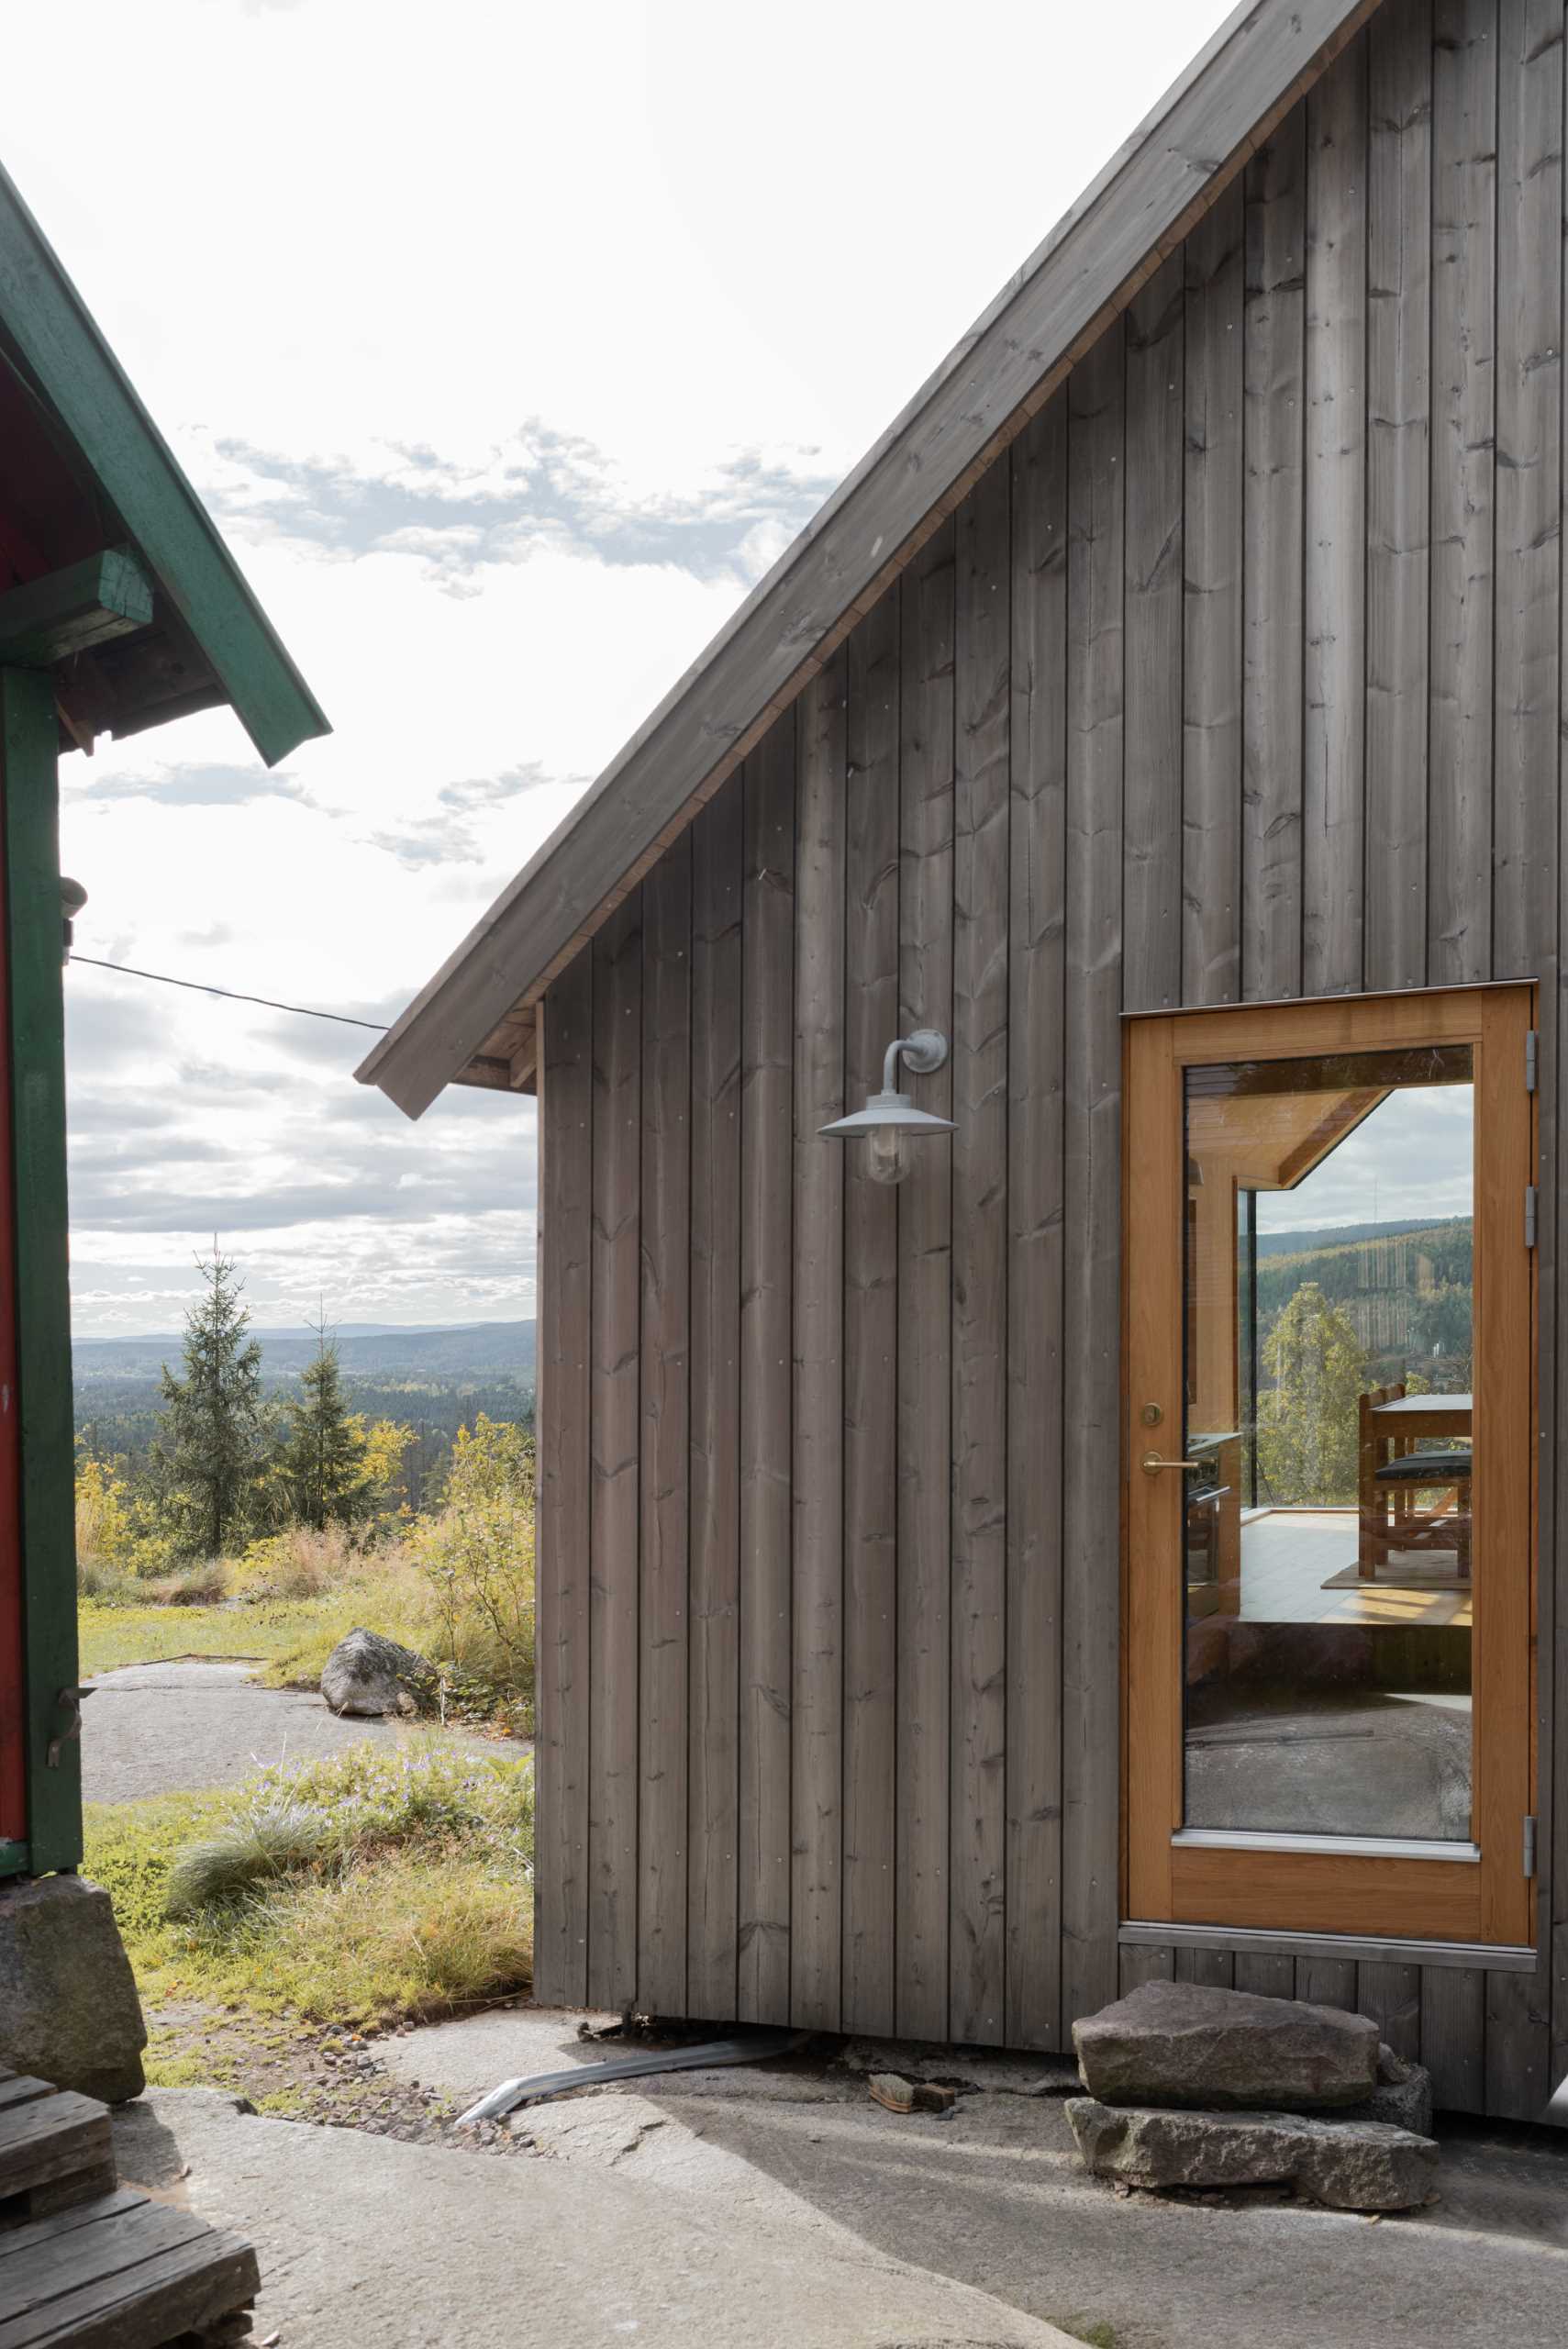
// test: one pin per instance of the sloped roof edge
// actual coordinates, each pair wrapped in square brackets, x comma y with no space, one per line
[1265,55]
[52,338]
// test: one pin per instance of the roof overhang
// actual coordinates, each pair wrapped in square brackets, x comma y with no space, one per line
[85,473]
[1262,58]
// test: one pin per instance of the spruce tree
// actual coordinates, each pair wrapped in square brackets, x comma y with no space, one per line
[213,1432]
[323,1460]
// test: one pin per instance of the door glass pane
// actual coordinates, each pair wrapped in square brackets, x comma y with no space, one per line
[1327,1554]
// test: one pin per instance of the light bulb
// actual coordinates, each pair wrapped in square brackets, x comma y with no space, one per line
[887,1155]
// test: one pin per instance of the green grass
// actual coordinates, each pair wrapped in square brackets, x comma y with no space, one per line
[273,1629]
[291,1640]
[408,1896]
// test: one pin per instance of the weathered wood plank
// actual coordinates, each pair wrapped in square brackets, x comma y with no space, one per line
[817,1898]
[613,1498]
[1151,848]
[1528,486]
[1264,1975]
[925,1300]
[565,1251]
[871,1335]
[1327,1982]
[1216,1968]
[1399,234]
[1453,2035]
[1274,520]
[766,1384]
[1463,298]
[1036,1389]
[1092,1450]
[1335,587]
[1141,1963]
[1391,1995]
[715,1603]
[1211,692]
[663,1512]
[1518,2044]
[978,1831]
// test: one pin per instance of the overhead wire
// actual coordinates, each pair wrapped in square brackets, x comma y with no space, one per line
[230,995]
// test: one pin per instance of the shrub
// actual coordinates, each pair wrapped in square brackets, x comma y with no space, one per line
[477,1557]
[259,1845]
[297,1563]
[202,1583]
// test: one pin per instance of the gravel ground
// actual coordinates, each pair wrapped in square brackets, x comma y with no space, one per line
[157,1729]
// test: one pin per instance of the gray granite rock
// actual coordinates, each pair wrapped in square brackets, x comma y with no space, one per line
[69,2011]
[366,1673]
[1348,2165]
[1403,2096]
[1184,2043]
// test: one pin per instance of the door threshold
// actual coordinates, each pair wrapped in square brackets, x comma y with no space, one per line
[1373,1847]
[1245,1941]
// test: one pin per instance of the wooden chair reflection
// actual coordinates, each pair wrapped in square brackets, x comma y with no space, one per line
[1393,1473]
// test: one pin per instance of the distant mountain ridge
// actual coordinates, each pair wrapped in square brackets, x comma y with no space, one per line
[1308,1240]
[479,1349]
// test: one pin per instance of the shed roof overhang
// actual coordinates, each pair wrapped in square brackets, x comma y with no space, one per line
[474,1021]
[84,472]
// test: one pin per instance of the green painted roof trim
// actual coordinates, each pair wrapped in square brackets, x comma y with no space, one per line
[87,389]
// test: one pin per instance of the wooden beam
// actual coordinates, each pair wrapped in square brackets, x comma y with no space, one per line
[70,611]
[1048,316]
[43,1306]
[51,340]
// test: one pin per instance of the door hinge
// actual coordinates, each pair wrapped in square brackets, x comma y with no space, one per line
[1532,1049]
[1529,1847]
[1532,1201]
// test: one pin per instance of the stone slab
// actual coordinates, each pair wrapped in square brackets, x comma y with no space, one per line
[381,2245]
[1346,2165]
[1185,2044]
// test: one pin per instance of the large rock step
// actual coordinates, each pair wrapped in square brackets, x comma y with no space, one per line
[1348,2165]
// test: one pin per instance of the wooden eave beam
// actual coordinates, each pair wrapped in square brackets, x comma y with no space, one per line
[52,342]
[70,611]
[1267,56]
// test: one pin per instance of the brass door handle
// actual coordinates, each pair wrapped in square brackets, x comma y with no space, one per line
[1152,1463]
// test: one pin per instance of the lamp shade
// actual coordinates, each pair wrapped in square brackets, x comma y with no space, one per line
[889,1109]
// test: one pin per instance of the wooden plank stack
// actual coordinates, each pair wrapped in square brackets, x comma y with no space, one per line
[84,2264]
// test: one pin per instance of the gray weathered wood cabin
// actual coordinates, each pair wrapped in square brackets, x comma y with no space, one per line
[1174,694]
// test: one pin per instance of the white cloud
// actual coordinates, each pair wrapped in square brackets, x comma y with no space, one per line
[508,359]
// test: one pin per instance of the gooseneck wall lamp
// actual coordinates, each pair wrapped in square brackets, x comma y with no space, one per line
[889,1122]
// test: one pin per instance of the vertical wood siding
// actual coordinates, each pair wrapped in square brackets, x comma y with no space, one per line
[1237,678]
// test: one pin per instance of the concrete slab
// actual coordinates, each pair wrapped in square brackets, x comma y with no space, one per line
[154,1729]
[394,2246]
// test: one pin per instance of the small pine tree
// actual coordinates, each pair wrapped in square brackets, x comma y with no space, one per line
[211,1450]
[326,1472]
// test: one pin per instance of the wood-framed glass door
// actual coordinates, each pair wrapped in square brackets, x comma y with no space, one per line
[1329,1465]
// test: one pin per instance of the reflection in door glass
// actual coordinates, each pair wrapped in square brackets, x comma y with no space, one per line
[1329,1555]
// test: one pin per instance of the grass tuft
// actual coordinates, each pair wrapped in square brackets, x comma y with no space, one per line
[257,1848]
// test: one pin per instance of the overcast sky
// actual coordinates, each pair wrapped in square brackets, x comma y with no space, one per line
[1414,1157]
[509,345]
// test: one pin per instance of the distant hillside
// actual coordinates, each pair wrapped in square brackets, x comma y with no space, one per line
[1342,1235]
[485,1350]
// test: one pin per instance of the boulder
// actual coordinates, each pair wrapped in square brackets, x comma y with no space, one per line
[1403,2096]
[69,2011]
[1184,2043]
[1348,2165]
[368,1674]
